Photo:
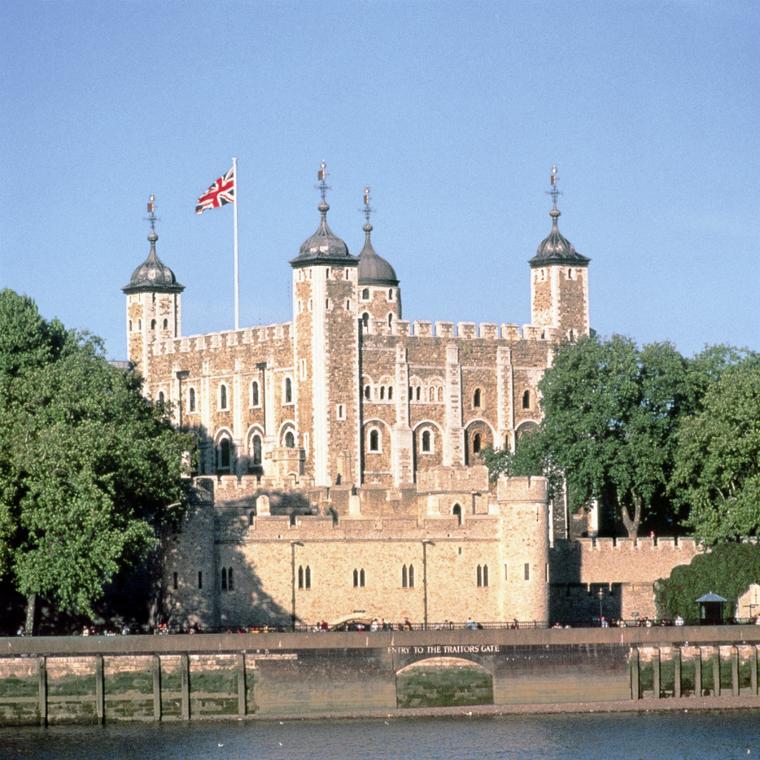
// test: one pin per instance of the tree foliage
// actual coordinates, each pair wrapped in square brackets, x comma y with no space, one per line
[727,570]
[90,471]
[717,463]
[609,412]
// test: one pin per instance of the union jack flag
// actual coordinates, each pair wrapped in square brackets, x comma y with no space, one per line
[221,192]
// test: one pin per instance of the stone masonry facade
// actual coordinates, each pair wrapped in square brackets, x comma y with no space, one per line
[339,470]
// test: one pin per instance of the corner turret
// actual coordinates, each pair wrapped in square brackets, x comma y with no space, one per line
[559,280]
[153,302]
[379,295]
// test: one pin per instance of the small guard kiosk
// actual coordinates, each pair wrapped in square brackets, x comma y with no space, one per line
[711,609]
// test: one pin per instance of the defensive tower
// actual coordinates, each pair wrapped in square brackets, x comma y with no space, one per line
[559,280]
[326,352]
[153,303]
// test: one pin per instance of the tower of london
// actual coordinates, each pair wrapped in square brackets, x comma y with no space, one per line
[339,468]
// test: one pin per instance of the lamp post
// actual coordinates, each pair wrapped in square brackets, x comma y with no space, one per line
[293,545]
[425,543]
[182,374]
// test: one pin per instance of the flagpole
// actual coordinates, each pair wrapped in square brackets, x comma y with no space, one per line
[236,286]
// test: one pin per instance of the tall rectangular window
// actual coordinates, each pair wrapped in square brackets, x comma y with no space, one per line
[526,570]
[200,579]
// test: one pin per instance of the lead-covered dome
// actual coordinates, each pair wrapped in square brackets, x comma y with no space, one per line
[556,248]
[374,269]
[153,274]
[324,245]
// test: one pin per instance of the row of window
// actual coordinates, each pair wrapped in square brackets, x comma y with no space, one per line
[153,324]
[431,394]
[366,295]
[381,393]
[366,317]
[359,577]
[225,449]
[425,441]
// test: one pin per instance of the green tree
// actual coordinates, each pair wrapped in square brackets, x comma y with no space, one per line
[609,413]
[717,458]
[90,471]
[727,570]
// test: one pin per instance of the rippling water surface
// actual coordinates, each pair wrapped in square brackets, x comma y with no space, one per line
[691,736]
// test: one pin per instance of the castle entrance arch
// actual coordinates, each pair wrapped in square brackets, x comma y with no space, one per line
[443,682]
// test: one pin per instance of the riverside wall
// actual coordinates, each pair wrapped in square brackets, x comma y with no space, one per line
[274,675]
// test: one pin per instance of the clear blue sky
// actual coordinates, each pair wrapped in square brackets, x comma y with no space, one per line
[452,111]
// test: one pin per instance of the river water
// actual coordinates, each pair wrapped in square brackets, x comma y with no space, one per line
[665,736]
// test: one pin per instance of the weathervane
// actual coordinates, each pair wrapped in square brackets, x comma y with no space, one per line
[554,192]
[322,185]
[152,218]
[367,210]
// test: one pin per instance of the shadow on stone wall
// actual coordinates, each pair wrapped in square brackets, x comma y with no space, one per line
[247,605]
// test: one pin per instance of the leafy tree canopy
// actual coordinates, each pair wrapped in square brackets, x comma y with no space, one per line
[90,470]
[727,570]
[717,458]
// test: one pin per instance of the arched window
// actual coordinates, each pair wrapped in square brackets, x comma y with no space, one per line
[440,393]
[361,577]
[476,399]
[382,393]
[365,321]
[224,579]
[390,393]
[251,517]
[571,335]
[290,440]
[256,449]
[526,400]
[130,325]
[222,396]
[390,319]
[476,443]
[152,324]
[365,297]
[411,576]
[139,324]
[191,400]
[418,392]
[482,576]
[225,454]
[479,576]
[431,393]
[367,392]
[230,580]
[175,580]
[288,391]
[200,579]
[166,324]
[255,393]
[457,512]
[426,442]
[374,440]
[161,397]
[300,576]
[307,577]
[358,578]
[390,294]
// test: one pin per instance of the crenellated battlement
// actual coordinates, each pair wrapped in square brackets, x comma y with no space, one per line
[620,560]
[467,330]
[521,489]
[669,543]
[245,338]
